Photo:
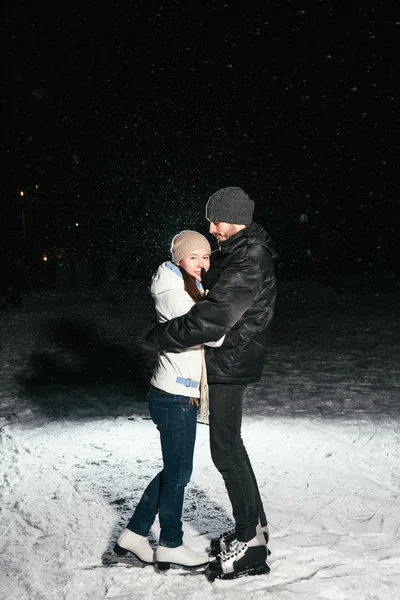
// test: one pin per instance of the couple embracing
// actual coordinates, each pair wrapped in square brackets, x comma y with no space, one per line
[214,314]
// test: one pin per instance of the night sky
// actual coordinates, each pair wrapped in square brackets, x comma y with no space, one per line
[128,116]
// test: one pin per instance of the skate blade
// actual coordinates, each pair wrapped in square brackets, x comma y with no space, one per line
[262,569]
[112,559]
[188,570]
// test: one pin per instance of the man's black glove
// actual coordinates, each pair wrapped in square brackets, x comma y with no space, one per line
[209,278]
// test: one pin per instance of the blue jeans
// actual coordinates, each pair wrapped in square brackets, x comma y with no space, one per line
[176,420]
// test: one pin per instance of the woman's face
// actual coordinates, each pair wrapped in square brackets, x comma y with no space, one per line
[195,261]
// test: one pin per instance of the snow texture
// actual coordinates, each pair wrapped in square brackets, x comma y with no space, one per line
[321,428]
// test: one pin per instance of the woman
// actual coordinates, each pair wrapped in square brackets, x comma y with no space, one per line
[177,386]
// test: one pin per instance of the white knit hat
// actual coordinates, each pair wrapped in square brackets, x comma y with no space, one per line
[186,242]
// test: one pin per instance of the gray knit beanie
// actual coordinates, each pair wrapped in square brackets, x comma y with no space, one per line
[230,205]
[186,242]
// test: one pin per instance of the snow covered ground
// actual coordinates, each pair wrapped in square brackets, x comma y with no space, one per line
[322,430]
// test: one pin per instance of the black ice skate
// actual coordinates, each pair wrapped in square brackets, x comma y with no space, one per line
[238,560]
[221,543]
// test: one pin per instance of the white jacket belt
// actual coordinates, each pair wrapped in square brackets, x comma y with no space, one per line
[171,300]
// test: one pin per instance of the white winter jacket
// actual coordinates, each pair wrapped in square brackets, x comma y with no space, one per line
[176,372]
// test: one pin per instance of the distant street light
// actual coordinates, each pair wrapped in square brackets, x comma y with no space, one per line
[23,217]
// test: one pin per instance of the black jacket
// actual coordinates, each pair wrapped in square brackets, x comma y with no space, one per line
[240,305]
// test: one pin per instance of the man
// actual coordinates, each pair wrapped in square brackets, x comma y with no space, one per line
[239,305]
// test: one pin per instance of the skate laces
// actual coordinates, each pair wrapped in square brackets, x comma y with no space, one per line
[228,536]
[235,549]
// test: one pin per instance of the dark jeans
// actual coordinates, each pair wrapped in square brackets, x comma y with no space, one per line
[230,457]
[176,420]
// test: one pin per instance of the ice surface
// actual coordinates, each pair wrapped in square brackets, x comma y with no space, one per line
[321,428]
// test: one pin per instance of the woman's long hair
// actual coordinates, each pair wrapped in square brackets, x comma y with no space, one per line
[190,286]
